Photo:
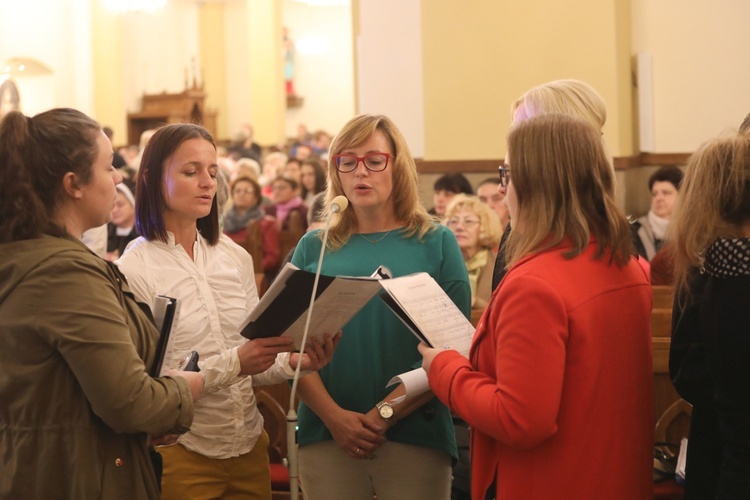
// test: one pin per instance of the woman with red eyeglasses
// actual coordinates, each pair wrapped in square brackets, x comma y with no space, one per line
[354,442]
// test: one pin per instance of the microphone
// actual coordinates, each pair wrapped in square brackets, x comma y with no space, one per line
[338,205]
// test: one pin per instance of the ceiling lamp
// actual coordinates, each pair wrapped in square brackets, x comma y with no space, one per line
[23,66]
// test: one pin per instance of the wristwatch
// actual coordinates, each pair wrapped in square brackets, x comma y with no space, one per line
[385,410]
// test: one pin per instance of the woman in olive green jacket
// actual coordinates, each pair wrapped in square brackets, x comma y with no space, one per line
[77,402]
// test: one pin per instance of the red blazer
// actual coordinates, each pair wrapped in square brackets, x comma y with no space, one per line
[559,389]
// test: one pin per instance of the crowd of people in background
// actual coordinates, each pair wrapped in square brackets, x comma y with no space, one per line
[558,386]
[267,188]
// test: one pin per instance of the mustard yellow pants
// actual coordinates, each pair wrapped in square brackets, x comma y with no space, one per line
[190,475]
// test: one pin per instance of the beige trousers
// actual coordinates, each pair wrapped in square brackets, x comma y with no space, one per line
[396,472]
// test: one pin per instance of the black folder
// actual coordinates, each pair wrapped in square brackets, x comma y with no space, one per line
[164,312]
[288,299]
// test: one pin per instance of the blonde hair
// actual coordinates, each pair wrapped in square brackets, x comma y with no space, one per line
[405,194]
[714,201]
[564,185]
[490,230]
[567,97]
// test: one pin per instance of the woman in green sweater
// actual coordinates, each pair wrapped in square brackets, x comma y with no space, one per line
[354,442]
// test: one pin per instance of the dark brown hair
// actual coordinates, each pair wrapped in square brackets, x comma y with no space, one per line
[670,173]
[320,177]
[35,155]
[149,198]
[252,182]
[291,182]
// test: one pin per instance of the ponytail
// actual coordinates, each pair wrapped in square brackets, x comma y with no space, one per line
[22,214]
[35,155]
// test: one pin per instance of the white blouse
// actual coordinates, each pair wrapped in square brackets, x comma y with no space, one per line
[215,294]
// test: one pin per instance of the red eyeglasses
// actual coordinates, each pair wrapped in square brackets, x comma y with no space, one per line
[374,162]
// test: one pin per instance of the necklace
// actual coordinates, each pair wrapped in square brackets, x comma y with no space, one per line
[375,241]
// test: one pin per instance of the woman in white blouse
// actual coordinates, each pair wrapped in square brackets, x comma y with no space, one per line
[183,254]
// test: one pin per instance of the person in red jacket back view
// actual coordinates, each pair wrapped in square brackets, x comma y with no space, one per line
[558,387]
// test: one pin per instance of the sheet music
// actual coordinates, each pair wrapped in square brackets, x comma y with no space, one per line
[432,311]
[283,308]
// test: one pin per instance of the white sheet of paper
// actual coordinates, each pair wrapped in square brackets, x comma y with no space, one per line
[415,383]
[434,313]
[334,308]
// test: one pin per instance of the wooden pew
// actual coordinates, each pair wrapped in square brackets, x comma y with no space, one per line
[273,404]
[671,413]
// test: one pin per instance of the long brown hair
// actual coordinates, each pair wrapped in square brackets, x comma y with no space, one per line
[406,204]
[714,201]
[564,185]
[35,155]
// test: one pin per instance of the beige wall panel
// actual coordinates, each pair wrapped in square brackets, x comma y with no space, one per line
[480,56]
[109,72]
[701,74]
[214,71]
[266,80]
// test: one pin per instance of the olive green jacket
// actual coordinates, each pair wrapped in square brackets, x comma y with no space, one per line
[76,401]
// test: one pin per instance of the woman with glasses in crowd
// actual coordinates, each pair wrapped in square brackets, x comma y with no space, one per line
[354,442]
[287,201]
[477,230]
[246,208]
[558,387]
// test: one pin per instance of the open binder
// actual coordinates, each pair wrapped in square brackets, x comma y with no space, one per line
[416,299]
[283,308]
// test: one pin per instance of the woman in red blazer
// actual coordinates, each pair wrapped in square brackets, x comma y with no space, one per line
[558,388]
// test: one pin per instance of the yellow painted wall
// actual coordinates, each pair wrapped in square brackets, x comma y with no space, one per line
[213,61]
[266,82]
[701,76]
[480,56]
[108,71]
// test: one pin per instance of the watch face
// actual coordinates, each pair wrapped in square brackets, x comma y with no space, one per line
[386,411]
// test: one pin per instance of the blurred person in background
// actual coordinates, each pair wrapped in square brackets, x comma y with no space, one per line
[445,188]
[649,231]
[478,232]
[312,180]
[492,194]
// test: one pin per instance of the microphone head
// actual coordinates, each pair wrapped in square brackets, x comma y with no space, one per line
[339,204]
